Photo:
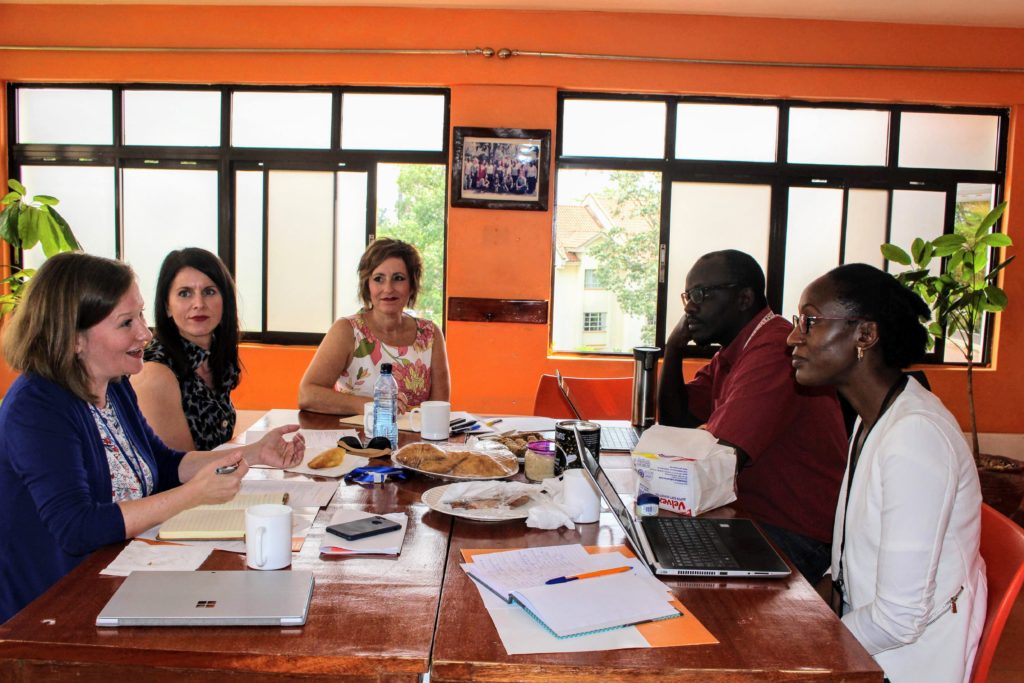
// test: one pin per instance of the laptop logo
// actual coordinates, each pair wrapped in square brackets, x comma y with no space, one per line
[206,604]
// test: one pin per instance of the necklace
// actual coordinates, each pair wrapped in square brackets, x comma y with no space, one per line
[839,584]
[131,455]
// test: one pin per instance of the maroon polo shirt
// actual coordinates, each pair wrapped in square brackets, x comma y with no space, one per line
[793,435]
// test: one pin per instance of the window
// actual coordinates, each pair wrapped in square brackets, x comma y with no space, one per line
[802,187]
[595,322]
[288,200]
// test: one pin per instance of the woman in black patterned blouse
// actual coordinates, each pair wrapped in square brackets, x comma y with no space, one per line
[192,364]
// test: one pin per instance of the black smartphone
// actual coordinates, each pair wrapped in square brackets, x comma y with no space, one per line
[362,528]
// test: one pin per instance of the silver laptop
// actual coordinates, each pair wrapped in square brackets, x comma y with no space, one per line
[210,598]
[612,438]
[690,546]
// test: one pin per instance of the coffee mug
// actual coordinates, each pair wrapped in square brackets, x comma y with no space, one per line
[580,496]
[432,419]
[268,536]
[368,418]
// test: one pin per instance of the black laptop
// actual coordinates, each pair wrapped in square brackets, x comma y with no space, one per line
[612,438]
[690,546]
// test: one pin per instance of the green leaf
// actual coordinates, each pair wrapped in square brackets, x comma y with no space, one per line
[10,198]
[67,237]
[917,249]
[955,261]
[996,239]
[893,253]
[16,186]
[9,225]
[996,297]
[28,227]
[46,200]
[989,220]
[945,241]
[49,235]
[364,349]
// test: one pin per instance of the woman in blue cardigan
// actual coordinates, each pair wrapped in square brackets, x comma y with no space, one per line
[79,466]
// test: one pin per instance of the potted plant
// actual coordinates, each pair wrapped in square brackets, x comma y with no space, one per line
[23,224]
[960,294]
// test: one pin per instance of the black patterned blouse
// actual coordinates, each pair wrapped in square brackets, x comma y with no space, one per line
[209,412]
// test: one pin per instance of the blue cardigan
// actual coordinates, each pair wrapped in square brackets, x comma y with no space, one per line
[55,491]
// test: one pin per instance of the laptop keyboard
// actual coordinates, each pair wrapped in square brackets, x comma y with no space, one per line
[618,438]
[693,544]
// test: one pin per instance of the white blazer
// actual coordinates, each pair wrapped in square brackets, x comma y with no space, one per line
[913,527]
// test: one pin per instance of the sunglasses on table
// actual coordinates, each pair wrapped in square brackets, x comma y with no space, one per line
[375,447]
[697,295]
[804,323]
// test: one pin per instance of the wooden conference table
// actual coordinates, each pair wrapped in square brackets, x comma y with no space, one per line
[394,619]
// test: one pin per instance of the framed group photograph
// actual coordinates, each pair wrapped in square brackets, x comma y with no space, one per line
[501,168]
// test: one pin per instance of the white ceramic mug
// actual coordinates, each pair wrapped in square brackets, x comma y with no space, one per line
[432,419]
[368,419]
[580,497]
[268,536]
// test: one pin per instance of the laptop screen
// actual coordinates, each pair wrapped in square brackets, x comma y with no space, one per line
[608,492]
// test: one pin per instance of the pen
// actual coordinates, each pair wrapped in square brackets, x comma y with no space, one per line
[491,423]
[227,469]
[587,575]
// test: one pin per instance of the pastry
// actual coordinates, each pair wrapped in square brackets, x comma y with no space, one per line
[332,457]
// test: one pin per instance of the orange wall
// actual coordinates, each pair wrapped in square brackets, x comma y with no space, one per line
[507,254]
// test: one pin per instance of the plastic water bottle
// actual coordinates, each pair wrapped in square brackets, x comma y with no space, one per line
[385,406]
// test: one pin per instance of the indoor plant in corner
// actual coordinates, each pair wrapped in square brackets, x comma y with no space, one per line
[23,224]
[964,290]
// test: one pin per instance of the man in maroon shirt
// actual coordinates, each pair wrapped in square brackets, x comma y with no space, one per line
[790,440]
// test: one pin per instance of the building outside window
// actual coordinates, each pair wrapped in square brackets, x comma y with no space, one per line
[287,185]
[595,322]
[647,184]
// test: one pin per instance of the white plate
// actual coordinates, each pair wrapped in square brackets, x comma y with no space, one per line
[432,499]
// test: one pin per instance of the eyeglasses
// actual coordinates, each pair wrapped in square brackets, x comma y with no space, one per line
[804,323]
[697,295]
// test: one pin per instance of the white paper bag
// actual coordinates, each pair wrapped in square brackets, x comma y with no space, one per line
[687,469]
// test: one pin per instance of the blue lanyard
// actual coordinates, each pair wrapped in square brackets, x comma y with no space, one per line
[131,455]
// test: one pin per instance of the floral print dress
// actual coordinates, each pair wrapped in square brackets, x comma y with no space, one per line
[410,365]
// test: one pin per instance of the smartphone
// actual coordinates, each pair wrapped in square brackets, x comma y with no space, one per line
[363,528]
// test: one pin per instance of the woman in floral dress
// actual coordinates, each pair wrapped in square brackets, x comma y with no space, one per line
[341,377]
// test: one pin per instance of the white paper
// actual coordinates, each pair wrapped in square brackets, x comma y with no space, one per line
[513,570]
[141,556]
[381,544]
[347,465]
[302,493]
[523,424]
[317,440]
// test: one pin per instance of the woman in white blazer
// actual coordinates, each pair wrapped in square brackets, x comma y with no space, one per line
[905,558]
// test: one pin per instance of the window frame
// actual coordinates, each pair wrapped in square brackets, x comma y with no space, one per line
[227,160]
[780,175]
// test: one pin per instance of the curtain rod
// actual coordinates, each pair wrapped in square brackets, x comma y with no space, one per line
[506,53]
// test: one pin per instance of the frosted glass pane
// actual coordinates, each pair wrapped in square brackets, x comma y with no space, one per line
[300,245]
[727,132]
[812,240]
[351,242]
[866,212]
[249,249]
[86,195]
[379,121]
[172,118]
[597,229]
[613,128]
[157,221]
[948,141]
[711,217]
[856,137]
[410,207]
[916,214]
[281,119]
[65,116]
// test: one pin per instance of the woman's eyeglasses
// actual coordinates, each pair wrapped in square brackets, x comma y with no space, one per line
[697,295]
[804,323]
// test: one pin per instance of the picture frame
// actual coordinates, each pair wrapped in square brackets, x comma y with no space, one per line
[500,168]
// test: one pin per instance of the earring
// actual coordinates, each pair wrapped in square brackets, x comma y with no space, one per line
[860,353]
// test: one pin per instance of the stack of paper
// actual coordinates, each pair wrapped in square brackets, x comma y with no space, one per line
[381,544]
[571,592]
[226,520]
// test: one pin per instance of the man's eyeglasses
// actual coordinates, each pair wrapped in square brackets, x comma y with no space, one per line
[804,323]
[697,295]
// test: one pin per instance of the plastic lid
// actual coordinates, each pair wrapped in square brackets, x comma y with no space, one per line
[385,368]
[545,449]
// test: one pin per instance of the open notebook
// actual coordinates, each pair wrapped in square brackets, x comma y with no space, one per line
[216,522]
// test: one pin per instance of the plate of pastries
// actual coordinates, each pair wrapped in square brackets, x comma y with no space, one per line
[514,441]
[458,461]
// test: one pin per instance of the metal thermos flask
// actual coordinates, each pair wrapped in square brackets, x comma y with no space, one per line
[645,385]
